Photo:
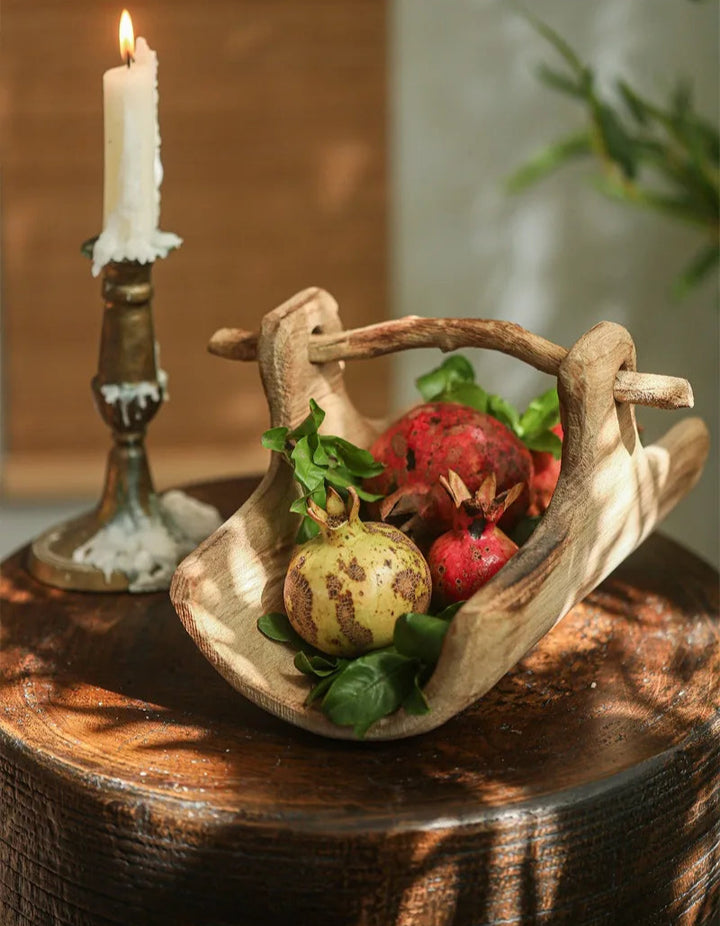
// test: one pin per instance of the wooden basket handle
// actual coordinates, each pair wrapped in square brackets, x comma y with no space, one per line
[450,334]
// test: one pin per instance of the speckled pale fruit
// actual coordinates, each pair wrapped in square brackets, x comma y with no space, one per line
[345,588]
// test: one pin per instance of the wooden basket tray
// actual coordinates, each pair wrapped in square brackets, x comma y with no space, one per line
[611,493]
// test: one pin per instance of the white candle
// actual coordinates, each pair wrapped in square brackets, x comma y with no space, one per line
[133,170]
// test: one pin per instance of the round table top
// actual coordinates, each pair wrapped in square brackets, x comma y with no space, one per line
[108,692]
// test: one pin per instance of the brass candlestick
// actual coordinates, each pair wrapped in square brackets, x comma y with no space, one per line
[128,389]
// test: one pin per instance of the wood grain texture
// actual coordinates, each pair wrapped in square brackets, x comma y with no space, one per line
[138,787]
[449,334]
[611,493]
[273,123]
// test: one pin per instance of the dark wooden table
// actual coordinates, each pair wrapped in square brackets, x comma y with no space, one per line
[138,787]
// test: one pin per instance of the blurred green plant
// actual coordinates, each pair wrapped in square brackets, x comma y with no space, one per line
[662,158]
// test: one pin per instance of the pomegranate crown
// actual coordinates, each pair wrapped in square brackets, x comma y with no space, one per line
[485,501]
[337,511]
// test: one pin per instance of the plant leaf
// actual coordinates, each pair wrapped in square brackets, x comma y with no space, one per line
[617,143]
[318,664]
[306,470]
[542,413]
[504,412]
[635,104]
[359,462]
[276,626]
[450,611]
[311,423]
[420,636]
[317,691]
[320,454]
[299,506]
[369,688]
[275,439]
[307,530]
[677,207]
[453,371]
[368,496]
[339,477]
[559,43]
[545,442]
[467,394]
[549,159]
[524,529]
[416,701]
[563,83]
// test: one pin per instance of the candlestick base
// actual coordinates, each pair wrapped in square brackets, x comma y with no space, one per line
[128,552]
[51,558]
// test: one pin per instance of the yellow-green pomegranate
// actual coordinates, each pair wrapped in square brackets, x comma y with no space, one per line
[347,586]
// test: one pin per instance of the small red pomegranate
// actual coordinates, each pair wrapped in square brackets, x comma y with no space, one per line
[436,437]
[465,558]
[546,470]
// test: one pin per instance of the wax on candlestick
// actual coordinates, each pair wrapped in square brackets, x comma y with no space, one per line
[128,395]
[133,169]
[148,550]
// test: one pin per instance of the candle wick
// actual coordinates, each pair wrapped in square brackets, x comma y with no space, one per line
[129,59]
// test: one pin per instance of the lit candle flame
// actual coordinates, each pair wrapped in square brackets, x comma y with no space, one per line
[127,38]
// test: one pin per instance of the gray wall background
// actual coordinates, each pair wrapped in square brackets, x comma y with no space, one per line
[467,109]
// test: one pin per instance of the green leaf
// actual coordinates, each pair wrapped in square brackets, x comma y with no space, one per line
[635,104]
[299,506]
[549,159]
[544,442]
[307,530]
[319,495]
[306,470]
[320,454]
[452,371]
[369,688]
[359,462]
[617,143]
[677,207]
[318,664]
[450,611]
[276,626]
[704,263]
[505,412]
[561,82]
[302,663]
[339,477]
[420,636]
[559,43]
[310,424]
[524,529]
[416,702]
[368,496]
[275,439]
[317,691]
[540,415]
[466,394]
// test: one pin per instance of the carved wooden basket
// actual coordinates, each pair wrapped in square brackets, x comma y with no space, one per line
[611,493]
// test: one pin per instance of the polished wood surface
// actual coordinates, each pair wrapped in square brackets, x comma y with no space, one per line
[138,787]
[273,124]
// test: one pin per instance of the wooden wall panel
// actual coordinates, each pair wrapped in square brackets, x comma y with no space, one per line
[273,131]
